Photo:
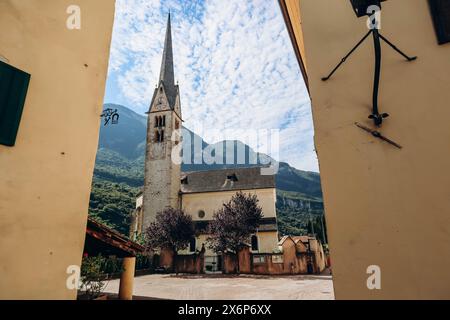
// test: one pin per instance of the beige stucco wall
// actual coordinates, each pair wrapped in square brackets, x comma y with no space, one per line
[45,179]
[384,206]
[212,201]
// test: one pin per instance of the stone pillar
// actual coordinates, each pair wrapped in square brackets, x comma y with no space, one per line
[127,279]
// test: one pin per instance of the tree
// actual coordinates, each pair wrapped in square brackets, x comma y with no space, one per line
[172,229]
[234,223]
[317,227]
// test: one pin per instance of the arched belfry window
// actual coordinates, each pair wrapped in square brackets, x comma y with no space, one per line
[254,241]
[161,137]
[164,121]
[157,136]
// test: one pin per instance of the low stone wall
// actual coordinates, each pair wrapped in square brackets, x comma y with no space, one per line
[190,263]
[230,262]
[288,262]
[279,264]
[271,263]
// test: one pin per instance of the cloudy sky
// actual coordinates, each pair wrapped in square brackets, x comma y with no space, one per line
[235,66]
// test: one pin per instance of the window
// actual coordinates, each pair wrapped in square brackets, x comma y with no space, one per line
[184,180]
[259,259]
[201,214]
[440,11]
[254,243]
[161,137]
[13,91]
[160,121]
[192,245]
[232,177]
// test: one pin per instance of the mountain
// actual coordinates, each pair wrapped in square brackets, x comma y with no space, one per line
[119,175]
[127,138]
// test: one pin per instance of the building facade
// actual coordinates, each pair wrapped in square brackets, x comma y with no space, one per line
[46,173]
[378,197]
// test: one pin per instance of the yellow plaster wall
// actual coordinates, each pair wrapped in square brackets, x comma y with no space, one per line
[383,206]
[45,180]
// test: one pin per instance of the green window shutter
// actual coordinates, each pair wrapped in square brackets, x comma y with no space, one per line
[13,90]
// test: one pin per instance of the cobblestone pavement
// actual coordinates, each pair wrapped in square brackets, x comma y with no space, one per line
[251,287]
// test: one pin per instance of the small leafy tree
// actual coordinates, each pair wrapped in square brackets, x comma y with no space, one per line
[234,223]
[172,229]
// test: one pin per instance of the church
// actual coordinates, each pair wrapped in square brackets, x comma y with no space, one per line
[198,193]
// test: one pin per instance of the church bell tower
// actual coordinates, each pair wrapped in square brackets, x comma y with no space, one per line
[162,175]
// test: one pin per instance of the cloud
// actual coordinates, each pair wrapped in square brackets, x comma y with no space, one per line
[234,62]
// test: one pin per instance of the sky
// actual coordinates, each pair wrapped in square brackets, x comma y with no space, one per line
[235,66]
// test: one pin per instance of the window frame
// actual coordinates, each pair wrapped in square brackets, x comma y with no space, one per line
[259,259]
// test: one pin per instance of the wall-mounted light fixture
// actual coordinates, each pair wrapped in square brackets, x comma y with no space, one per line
[369,8]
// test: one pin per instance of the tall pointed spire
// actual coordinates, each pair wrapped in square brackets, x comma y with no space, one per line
[167,70]
[167,74]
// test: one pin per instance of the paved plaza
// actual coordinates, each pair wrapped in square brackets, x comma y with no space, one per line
[216,287]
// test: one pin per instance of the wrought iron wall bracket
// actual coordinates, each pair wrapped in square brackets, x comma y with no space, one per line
[376,116]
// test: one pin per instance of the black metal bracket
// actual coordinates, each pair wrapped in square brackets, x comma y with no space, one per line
[378,135]
[375,116]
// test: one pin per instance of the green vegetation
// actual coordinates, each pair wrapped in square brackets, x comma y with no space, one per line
[94,276]
[111,203]
[299,214]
